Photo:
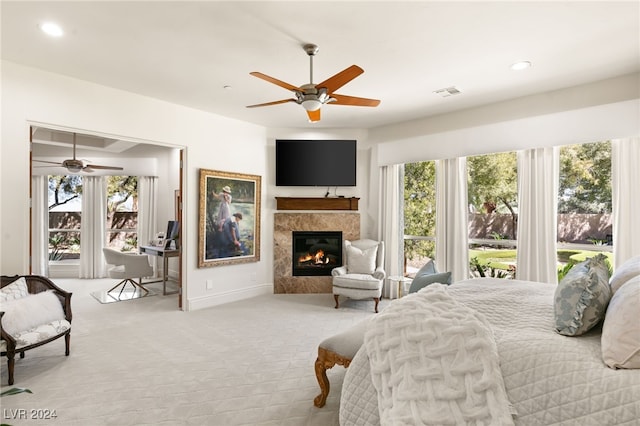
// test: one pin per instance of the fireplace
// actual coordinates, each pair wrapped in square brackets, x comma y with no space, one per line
[316,253]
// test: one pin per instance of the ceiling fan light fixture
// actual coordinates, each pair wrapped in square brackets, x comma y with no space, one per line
[311,104]
[73,165]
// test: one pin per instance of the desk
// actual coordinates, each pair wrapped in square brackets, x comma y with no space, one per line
[165,254]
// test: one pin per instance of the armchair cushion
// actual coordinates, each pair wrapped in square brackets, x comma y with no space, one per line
[16,290]
[38,334]
[361,260]
[340,270]
[379,273]
[30,312]
[357,281]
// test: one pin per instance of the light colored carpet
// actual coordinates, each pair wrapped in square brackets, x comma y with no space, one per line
[143,362]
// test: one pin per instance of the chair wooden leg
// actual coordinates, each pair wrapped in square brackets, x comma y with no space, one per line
[377,300]
[326,360]
[335,296]
[22,354]
[67,343]
[10,364]
[323,380]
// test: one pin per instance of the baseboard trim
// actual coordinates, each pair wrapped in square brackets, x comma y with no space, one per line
[228,297]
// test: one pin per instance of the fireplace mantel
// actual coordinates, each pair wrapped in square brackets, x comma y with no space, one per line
[318,203]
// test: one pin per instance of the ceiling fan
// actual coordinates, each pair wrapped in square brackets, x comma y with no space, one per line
[313,96]
[74,165]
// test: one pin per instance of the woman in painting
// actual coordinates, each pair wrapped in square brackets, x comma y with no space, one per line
[224,211]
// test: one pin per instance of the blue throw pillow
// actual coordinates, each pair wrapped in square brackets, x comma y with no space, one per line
[426,279]
[427,269]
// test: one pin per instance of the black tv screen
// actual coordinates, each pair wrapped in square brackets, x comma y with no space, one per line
[315,162]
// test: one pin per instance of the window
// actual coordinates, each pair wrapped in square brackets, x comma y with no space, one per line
[65,215]
[584,201]
[122,212]
[493,214]
[419,214]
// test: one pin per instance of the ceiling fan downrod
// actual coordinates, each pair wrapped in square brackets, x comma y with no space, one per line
[311,50]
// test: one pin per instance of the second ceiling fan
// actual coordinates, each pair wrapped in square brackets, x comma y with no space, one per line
[74,165]
[312,96]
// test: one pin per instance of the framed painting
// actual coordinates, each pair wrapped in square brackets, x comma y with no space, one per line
[229,219]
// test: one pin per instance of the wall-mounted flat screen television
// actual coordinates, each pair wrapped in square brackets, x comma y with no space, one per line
[301,162]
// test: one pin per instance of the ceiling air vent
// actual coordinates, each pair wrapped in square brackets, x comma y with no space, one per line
[448,91]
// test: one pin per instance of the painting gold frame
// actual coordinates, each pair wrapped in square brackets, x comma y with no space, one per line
[229,205]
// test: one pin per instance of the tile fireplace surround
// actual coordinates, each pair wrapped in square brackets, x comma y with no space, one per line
[284,225]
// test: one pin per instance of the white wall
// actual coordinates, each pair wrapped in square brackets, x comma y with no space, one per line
[367,204]
[213,142]
[586,113]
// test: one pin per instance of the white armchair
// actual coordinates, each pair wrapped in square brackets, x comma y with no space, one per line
[127,267]
[362,275]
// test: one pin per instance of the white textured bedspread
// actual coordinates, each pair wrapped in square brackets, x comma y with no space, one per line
[434,362]
[549,378]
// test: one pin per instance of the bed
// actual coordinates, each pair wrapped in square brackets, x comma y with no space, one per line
[528,375]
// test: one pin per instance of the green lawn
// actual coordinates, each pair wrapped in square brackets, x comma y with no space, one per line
[501,259]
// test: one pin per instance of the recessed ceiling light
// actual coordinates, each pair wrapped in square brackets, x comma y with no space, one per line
[52,29]
[522,65]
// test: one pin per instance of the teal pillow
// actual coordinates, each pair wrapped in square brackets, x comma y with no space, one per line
[426,279]
[582,296]
[428,268]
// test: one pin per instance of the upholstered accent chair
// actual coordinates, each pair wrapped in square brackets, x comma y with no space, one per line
[33,312]
[362,275]
[127,267]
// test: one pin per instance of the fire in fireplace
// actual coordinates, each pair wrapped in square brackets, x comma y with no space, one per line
[316,252]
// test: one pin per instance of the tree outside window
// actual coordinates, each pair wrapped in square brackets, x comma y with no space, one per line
[419,213]
[65,215]
[584,209]
[122,212]
[585,202]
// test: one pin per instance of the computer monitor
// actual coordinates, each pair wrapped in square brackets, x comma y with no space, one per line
[173,231]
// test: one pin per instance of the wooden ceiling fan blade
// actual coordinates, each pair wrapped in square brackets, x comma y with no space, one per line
[343,77]
[48,162]
[96,167]
[353,101]
[275,81]
[314,115]
[283,101]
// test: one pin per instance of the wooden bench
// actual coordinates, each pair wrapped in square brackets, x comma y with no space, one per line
[339,349]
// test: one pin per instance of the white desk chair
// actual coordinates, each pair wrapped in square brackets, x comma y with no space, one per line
[127,267]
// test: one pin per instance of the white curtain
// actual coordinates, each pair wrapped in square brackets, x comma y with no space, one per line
[391,223]
[538,175]
[625,183]
[147,206]
[92,228]
[452,235]
[40,225]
